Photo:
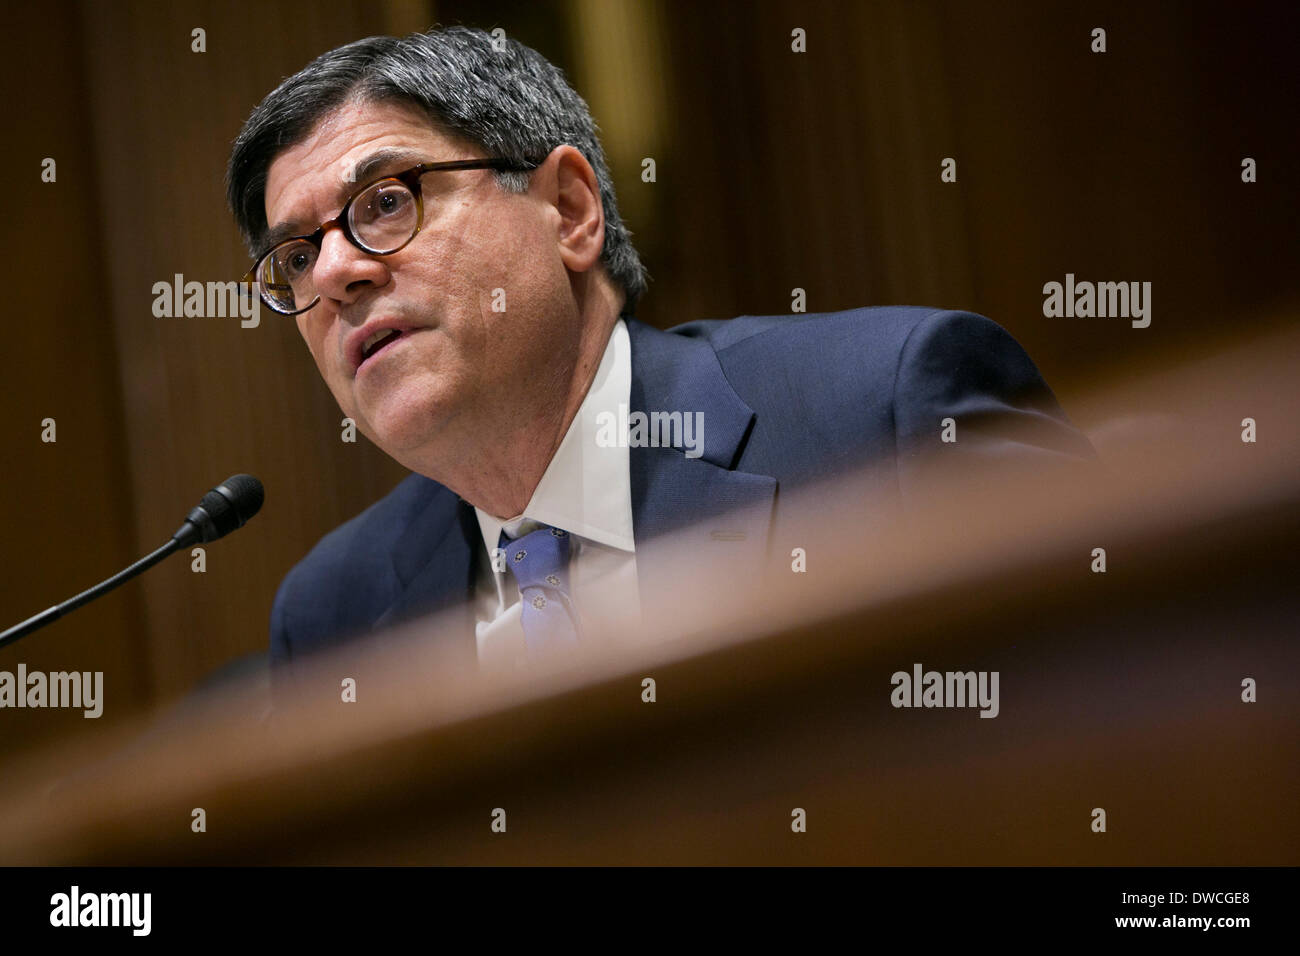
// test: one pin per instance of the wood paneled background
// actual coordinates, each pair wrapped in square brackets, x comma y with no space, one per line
[775,170]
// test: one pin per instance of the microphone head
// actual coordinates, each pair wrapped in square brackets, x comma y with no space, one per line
[222,510]
[243,495]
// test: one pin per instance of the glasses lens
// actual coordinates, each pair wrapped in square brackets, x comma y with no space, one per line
[385,216]
[286,276]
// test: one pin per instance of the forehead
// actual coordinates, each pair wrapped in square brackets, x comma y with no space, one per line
[313,177]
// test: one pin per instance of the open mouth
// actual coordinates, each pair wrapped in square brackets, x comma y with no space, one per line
[380,340]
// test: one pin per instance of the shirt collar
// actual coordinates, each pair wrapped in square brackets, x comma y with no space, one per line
[586,489]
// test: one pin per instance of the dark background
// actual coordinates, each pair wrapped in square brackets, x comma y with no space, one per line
[775,170]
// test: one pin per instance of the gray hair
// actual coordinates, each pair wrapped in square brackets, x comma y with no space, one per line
[500,95]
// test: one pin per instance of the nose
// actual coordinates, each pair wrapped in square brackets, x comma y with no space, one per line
[343,272]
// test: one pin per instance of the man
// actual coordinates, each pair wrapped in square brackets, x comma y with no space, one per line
[437,213]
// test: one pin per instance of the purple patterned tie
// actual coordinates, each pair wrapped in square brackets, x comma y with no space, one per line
[540,563]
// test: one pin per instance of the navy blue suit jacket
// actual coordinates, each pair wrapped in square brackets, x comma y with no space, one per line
[786,400]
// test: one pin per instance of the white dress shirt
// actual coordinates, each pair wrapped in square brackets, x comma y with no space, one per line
[586,491]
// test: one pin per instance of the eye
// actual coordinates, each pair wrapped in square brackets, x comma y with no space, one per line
[388,201]
[295,261]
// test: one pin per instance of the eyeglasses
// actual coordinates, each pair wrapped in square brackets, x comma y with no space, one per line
[380,218]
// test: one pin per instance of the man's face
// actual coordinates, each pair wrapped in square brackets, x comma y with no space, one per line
[458,363]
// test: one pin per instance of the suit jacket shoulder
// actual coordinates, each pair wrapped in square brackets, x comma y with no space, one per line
[362,568]
[832,391]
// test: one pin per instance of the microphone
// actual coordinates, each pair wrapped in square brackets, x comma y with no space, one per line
[224,509]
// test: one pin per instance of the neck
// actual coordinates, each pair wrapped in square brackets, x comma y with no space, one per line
[502,462]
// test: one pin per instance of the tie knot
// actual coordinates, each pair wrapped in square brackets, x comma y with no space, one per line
[539,558]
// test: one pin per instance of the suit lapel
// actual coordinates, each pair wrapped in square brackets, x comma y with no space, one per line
[434,561]
[719,515]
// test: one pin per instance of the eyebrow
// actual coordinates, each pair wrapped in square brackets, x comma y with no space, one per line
[369,167]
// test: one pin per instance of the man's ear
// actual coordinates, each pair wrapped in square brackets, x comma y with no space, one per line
[570,186]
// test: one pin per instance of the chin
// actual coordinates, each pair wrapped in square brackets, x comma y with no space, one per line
[406,425]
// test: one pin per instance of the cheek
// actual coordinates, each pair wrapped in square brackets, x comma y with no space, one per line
[316,335]
[313,334]
[505,244]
